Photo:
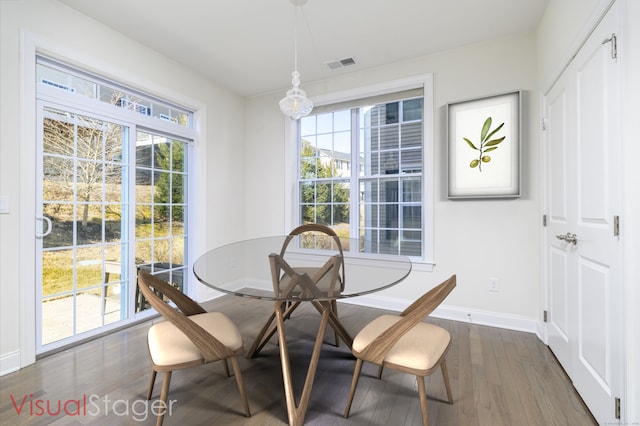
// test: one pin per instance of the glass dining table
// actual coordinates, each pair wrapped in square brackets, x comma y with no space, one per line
[290,270]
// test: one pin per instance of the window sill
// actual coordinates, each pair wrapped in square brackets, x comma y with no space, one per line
[366,259]
[422,265]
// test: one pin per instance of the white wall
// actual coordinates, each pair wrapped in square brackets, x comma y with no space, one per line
[630,51]
[561,29]
[474,239]
[64,32]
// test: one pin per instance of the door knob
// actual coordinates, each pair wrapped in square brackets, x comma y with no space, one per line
[568,237]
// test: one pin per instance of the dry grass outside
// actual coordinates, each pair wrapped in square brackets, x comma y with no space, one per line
[58,265]
[58,269]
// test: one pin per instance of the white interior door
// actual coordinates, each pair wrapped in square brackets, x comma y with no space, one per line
[561,203]
[583,253]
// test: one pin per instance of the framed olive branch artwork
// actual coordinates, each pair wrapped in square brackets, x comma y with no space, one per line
[483,137]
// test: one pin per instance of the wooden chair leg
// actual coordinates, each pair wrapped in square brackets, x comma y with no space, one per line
[334,308]
[380,367]
[164,397]
[243,394]
[226,367]
[268,331]
[354,383]
[333,321]
[445,376]
[151,383]
[422,394]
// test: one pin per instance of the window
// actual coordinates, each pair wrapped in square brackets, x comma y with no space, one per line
[161,206]
[65,78]
[113,184]
[365,169]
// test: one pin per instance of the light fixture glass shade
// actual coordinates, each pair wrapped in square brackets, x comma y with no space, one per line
[296,104]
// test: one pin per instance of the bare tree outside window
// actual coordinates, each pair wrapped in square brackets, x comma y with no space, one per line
[97,169]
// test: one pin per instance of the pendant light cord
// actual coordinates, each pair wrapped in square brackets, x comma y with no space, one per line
[295,38]
[295,104]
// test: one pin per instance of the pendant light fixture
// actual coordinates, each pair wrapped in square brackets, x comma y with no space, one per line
[296,104]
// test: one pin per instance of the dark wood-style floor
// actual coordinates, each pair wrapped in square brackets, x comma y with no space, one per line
[498,377]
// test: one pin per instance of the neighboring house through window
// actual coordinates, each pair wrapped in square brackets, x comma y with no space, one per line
[365,168]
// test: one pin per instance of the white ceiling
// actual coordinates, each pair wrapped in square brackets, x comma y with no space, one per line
[247,45]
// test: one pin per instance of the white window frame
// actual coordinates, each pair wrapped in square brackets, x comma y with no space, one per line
[425,81]
[32,45]
[54,97]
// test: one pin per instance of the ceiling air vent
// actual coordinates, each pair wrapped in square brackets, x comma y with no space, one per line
[340,63]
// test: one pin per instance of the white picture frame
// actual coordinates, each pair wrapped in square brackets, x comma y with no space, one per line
[483,137]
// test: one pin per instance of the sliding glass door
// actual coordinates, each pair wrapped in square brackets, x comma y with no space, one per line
[84,239]
[112,187]
[160,209]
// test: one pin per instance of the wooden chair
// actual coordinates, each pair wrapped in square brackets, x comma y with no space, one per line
[325,285]
[328,279]
[405,343]
[191,336]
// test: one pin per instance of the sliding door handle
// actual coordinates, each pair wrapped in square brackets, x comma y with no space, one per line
[49,227]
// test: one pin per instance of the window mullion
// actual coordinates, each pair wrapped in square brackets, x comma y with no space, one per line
[131,227]
[386,166]
[354,179]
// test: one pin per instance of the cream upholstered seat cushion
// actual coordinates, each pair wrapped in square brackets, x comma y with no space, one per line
[419,349]
[170,346]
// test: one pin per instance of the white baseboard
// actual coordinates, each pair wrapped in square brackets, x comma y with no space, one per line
[491,319]
[9,362]
[541,332]
[475,316]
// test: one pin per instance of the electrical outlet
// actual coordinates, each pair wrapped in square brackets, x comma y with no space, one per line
[493,284]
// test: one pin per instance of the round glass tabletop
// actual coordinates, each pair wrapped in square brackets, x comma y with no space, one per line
[304,267]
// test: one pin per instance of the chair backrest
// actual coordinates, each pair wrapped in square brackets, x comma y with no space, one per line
[315,229]
[431,299]
[156,291]
[162,289]
[303,282]
[376,351]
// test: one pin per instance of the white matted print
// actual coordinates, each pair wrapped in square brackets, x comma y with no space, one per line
[483,138]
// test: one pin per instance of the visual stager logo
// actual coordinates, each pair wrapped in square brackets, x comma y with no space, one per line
[89,405]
